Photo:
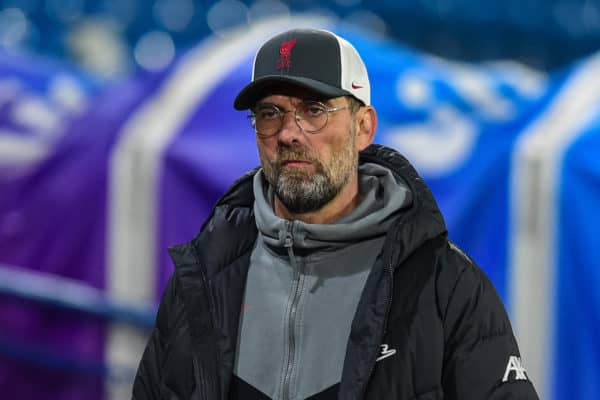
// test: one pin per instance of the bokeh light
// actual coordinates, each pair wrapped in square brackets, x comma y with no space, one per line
[154,50]
[262,9]
[174,15]
[226,14]
[13,27]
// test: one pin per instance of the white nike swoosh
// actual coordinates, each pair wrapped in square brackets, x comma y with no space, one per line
[386,354]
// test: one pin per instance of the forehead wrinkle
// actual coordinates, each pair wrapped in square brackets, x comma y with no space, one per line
[279,100]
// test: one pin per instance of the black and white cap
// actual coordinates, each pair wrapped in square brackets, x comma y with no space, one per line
[315,59]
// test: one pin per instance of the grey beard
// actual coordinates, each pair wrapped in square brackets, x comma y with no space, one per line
[301,193]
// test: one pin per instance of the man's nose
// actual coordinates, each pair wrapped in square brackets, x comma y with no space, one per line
[290,131]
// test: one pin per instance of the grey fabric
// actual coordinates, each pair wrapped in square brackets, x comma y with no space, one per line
[325,277]
[383,197]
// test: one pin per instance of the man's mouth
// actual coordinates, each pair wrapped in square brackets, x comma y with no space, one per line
[296,163]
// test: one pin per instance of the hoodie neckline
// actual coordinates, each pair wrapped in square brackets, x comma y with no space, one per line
[384,196]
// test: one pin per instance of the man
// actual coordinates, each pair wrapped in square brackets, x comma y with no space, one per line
[327,273]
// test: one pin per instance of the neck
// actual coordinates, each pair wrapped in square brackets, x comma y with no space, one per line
[342,204]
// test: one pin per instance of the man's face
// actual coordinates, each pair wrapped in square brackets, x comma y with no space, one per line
[307,170]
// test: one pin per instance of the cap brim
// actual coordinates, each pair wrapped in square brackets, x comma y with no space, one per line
[259,88]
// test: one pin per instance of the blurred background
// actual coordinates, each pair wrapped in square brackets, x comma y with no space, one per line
[117,135]
[113,37]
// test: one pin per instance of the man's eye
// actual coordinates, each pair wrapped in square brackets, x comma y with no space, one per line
[267,114]
[314,110]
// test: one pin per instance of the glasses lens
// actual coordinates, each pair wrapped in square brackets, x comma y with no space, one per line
[312,116]
[267,120]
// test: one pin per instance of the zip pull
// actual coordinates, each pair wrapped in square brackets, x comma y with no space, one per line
[289,244]
[289,238]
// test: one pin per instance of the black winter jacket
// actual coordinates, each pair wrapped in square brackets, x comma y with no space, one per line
[429,302]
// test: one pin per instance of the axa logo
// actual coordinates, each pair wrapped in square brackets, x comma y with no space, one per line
[514,365]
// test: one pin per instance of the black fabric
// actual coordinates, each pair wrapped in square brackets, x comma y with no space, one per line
[307,47]
[426,307]
[241,390]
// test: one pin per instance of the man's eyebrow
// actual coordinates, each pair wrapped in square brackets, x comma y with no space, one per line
[266,104]
[326,101]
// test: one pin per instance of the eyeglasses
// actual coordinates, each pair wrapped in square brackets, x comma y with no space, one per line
[310,116]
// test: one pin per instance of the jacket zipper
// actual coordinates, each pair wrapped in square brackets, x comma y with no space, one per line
[297,286]
[389,270]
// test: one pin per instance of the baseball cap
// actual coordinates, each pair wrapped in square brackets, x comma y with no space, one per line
[312,58]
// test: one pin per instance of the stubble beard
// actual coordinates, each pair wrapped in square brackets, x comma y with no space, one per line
[303,191]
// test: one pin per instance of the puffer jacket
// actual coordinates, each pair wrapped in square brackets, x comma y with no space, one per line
[429,324]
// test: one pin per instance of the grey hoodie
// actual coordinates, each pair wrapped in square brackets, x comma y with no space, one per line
[303,287]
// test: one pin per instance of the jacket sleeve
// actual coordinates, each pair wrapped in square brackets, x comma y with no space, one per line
[481,356]
[148,380]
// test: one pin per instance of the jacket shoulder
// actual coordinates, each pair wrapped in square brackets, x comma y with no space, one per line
[448,320]
[479,340]
[461,282]
[228,232]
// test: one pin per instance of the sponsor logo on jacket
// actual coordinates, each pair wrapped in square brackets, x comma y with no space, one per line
[514,365]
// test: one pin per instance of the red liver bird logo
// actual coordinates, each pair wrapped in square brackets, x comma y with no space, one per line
[285,54]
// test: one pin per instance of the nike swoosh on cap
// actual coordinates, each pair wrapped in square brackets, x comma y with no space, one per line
[355,86]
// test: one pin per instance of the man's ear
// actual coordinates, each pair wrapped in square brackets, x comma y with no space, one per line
[366,125]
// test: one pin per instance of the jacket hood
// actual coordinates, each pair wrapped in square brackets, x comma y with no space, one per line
[420,222]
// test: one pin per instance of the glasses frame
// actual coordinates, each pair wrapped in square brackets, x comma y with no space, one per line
[297,118]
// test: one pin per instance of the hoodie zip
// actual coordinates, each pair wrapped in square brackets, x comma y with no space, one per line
[297,286]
